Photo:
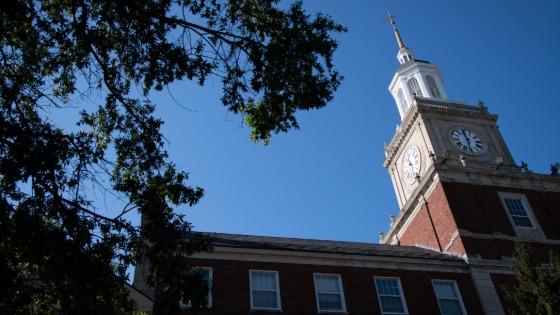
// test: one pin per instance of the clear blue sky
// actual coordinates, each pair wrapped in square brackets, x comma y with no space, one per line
[326,181]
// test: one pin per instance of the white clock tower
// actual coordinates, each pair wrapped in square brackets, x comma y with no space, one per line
[437,136]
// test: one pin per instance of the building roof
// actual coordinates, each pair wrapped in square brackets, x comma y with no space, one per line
[324,246]
[410,63]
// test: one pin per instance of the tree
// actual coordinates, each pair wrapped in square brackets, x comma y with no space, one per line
[59,252]
[538,287]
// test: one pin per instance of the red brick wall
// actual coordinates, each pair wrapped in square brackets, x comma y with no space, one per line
[231,287]
[478,209]
[421,231]
[457,246]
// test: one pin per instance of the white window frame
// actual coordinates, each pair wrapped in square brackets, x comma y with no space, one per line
[535,230]
[340,293]
[414,87]
[209,297]
[432,85]
[401,295]
[402,101]
[457,292]
[277,289]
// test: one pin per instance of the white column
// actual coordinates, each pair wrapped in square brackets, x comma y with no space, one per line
[486,291]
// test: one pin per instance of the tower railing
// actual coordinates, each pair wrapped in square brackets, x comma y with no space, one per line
[449,105]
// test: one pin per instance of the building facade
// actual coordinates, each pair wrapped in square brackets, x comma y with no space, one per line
[464,203]
[267,275]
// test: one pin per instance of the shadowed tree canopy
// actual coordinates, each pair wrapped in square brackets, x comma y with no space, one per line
[537,290]
[59,252]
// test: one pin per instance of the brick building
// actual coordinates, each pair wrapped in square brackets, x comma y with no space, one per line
[265,275]
[464,203]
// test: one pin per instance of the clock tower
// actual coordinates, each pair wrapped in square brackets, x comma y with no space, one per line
[458,187]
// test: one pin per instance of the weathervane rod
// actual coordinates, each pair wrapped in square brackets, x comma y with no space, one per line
[399,40]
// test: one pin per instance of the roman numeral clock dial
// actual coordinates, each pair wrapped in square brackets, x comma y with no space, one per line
[411,164]
[467,141]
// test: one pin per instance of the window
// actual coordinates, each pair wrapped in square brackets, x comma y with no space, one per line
[265,290]
[414,87]
[433,87]
[402,101]
[521,216]
[448,297]
[207,278]
[517,212]
[390,295]
[330,297]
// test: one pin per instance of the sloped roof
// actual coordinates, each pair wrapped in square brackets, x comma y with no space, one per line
[324,246]
[410,63]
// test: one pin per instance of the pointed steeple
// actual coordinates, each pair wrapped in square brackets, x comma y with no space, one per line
[405,54]
[414,78]
[399,39]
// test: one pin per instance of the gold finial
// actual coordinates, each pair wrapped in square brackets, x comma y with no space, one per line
[399,40]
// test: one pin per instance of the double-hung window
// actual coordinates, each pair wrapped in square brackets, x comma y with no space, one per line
[330,297]
[391,297]
[449,298]
[265,290]
[518,212]
[521,215]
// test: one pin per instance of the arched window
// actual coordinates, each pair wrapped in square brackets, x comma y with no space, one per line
[414,87]
[432,86]
[402,101]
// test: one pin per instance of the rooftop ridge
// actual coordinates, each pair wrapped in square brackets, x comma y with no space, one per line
[325,246]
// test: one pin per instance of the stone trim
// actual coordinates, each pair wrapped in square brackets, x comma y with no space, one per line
[327,259]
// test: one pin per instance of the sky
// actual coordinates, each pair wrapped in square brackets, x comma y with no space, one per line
[326,180]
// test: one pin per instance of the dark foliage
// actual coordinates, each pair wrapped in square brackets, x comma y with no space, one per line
[538,287]
[61,253]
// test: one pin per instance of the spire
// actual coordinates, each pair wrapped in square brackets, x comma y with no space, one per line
[414,78]
[399,39]
[405,54]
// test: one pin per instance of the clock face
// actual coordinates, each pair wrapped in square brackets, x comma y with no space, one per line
[411,163]
[467,141]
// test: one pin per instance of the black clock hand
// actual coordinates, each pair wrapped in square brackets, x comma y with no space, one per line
[466,137]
